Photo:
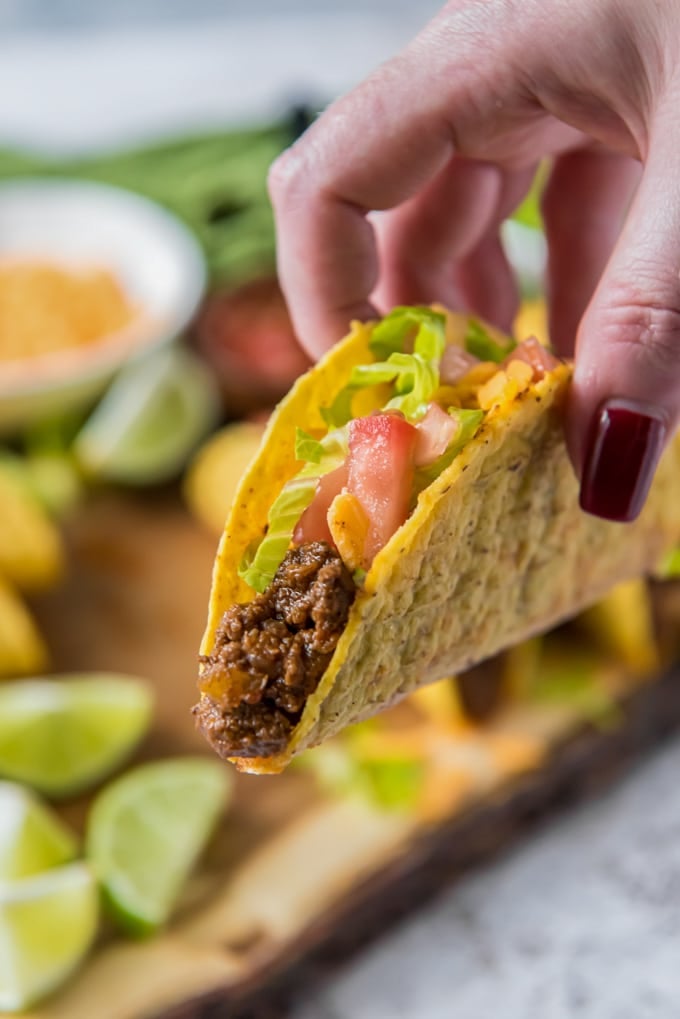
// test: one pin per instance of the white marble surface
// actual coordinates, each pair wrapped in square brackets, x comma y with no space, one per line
[580,922]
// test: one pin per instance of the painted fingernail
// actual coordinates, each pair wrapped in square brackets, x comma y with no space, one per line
[622,450]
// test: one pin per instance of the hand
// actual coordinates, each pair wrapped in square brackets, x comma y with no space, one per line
[444,139]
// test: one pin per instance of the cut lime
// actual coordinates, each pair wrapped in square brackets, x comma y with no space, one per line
[151,419]
[47,924]
[145,832]
[62,735]
[32,838]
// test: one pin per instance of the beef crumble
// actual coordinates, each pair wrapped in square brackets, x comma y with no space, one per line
[270,653]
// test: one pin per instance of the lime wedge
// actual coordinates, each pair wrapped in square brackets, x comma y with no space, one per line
[47,924]
[62,735]
[32,838]
[146,831]
[151,419]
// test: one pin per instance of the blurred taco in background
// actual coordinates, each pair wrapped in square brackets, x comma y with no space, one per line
[412,510]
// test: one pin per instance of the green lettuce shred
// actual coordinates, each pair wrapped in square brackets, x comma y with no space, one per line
[307,448]
[415,375]
[389,336]
[258,569]
[478,342]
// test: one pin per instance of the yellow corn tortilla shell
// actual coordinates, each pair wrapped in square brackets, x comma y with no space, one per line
[497,549]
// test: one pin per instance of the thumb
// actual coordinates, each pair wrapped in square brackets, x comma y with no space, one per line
[625,399]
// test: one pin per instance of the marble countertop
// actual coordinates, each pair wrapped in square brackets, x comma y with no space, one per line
[581,921]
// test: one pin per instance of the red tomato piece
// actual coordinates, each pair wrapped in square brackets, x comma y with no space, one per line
[436,430]
[535,355]
[313,524]
[380,474]
[455,364]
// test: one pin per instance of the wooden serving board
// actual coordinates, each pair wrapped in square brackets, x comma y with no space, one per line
[294,880]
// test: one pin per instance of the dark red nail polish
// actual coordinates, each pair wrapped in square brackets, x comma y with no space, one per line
[622,450]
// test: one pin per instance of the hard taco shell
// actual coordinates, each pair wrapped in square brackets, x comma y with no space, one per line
[497,548]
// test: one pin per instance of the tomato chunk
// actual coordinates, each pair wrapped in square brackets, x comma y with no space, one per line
[436,430]
[535,355]
[313,524]
[455,364]
[380,474]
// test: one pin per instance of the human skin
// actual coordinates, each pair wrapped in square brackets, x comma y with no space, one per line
[443,140]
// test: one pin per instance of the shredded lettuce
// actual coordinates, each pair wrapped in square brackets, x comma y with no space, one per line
[415,375]
[258,569]
[470,421]
[389,336]
[485,347]
[307,448]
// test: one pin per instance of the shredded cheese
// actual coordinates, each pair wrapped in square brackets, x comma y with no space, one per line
[348,525]
[45,307]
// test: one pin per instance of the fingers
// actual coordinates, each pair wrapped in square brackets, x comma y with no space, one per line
[421,241]
[584,206]
[484,276]
[626,392]
[443,245]
[376,149]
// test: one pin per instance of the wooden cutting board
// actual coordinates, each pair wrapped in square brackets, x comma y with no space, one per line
[293,878]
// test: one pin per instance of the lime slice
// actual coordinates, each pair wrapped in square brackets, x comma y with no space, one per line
[32,838]
[146,831]
[47,924]
[62,735]
[151,419]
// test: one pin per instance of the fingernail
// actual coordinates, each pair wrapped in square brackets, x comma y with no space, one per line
[622,450]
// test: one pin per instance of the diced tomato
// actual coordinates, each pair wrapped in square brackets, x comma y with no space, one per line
[380,474]
[535,355]
[455,364]
[435,430]
[313,524]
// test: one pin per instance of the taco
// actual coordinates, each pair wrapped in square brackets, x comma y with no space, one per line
[412,510]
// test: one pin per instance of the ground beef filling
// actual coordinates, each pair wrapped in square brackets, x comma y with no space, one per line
[270,654]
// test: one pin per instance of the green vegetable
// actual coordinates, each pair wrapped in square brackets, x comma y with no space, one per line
[529,212]
[287,509]
[216,183]
[307,448]
[415,375]
[470,421]
[485,347]
[389,336]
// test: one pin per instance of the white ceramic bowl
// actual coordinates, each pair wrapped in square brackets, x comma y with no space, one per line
[78,223]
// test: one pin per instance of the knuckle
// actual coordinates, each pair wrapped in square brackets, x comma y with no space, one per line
[284,177]
[648,330]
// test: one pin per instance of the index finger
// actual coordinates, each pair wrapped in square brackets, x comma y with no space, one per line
[377,147]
